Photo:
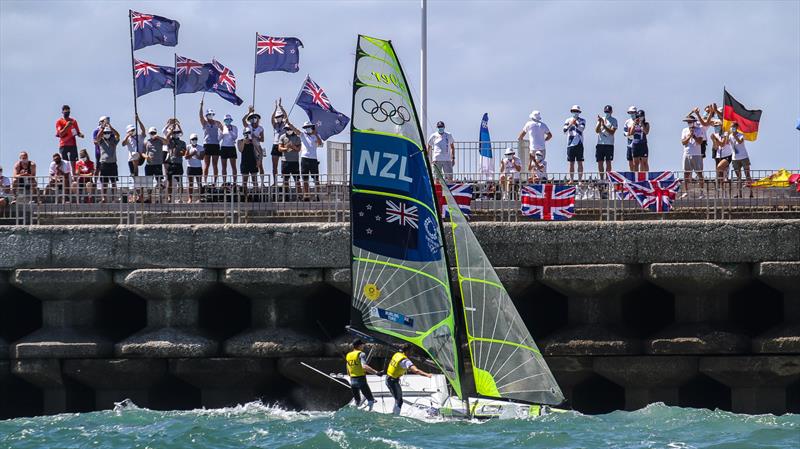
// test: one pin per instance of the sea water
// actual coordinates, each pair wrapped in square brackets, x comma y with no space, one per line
[258,426]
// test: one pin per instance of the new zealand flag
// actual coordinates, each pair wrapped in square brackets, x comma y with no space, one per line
[153,30]
[192,76]
[394,227]
[151,77]
[277,54]
[321,113]
[224,83]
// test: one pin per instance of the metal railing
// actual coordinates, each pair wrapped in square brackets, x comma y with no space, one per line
[262,198]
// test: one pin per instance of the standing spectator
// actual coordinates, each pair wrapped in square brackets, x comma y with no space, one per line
[107,141]
[5,191]
[538,134]
[722,150]
[248,166]
[211,132]
[289,147]
[135,145]
[66,130]
[24,174]
[573,128]
[538,168]
[194,162]
[60,179]
[228,148]
[637,133]
[82,183]
[309,163]
[741,160]
[442,150]
[101,123]
[605,129]
[154,156]
[176,151]
[251,120]
[628,125]
[510,167]
[278,121]
[701,131]
[692,158]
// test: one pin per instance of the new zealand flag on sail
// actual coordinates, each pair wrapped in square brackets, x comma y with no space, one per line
[275,54]
[151,77]
[153,30]
[394,227]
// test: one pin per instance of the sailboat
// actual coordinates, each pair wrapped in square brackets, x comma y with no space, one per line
[402,290]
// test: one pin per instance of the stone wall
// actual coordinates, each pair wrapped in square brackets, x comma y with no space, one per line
[690,313]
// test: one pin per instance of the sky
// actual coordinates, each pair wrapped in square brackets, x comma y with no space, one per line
[502,57]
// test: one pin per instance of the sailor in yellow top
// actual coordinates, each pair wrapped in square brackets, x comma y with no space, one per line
[357,369]
[398,366]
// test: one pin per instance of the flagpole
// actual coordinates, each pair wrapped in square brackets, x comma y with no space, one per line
[298,97]
[133,70]
[175,89]
[423,79]
[255,63]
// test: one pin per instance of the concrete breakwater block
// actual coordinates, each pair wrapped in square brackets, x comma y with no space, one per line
[783,338]
[172,296]
[758,384]
[69,312]
[278,342]
[4,287]
[114,380]
[648,379]
[226,381]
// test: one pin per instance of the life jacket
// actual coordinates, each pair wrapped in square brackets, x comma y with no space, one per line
[354,368]
[395,370]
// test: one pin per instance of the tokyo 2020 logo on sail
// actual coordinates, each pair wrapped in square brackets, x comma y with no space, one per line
[386,110]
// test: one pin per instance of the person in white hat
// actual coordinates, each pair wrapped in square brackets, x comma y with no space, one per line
[309,163]
[135,145]
[537,132]
[102,122]
[538,168]
[692,157]
[211,132]
[154,149]
[230,134]
[510,167]
[573,129]
[632,110]
[194,165]
[279,117]
[252,121]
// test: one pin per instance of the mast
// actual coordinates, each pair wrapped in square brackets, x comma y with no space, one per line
[423,79]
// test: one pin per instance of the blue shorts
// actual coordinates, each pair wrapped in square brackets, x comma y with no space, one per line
[575,153]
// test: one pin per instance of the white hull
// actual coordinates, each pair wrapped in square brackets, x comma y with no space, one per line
[424,398]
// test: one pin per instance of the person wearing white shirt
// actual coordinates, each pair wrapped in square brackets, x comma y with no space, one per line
[510,167]
[227,147]
[309,164]
[5,190]
[741,160]
[573,128]
[692,157]
[721,149]
[194,165]
[60,172]
[538,168]
[537,133]
[628,125]
[442,150]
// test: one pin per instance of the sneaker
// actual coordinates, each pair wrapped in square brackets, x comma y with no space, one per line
[700,196]
[684,195]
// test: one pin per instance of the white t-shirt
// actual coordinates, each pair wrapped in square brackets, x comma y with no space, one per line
[135,146]
[65,167]
[441,146]
[5,181]
[739,150]
[725,150]
[537,131]
[540,172]
[692,147]
[574,132]
[195,156]
[229,136]
[507,166]
[628,125]
[308,146]
[258,134]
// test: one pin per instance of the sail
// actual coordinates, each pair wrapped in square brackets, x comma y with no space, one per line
[399,268]
[506,363]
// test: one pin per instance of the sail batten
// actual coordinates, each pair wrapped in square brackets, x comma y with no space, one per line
[399,276]
[506,363]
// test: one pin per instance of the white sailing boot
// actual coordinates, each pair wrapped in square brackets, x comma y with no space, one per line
[369,405]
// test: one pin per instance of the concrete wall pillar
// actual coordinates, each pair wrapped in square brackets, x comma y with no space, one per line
[648,379]
[173,312]
[69,315]
[280,298]
[114,380]
[701,308]
[784,338]
[225,381]
[594,295]
[61,394]
[570,372]
[758,384]
[5,286]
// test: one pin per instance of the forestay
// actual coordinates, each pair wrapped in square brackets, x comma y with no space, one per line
[399,271]
[506,363]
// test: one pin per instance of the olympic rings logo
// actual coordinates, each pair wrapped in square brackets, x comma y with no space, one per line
[386,110]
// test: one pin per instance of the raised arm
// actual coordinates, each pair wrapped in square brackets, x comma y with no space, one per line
[202,119]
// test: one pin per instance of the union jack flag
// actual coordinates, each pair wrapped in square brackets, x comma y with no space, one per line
[620,180]
[318,96]
[401,213]
[267,44]
[143,68]
[548,202]
[140,20]
[654,195]
[462,193]
[186,66]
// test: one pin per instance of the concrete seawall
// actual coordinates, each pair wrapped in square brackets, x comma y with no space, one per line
[692,313]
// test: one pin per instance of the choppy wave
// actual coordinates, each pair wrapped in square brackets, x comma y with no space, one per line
[257,425]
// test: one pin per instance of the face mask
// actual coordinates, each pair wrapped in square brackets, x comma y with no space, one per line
[193,141]
[608,115]
[441,130]
[289,132]
[717,128]
[228,122]
[576,114]
[66,114]
[107,135]
[84,158]
[247,136]
[632,115]
[309,131]
[209,117]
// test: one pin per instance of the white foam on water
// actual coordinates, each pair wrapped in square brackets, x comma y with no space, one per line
[392,444]
[338,437]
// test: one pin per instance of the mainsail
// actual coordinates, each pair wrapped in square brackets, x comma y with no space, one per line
[506,363]
[399,267]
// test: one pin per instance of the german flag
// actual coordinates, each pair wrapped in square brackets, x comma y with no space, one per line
[734,111]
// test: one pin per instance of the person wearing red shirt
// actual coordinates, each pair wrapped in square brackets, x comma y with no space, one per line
[84,169]
[66,130]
